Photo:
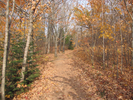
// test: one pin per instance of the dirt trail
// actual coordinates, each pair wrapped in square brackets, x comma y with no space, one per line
[60,80]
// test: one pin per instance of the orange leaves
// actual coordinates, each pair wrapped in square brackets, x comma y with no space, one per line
[130,1]
[17,2]
[19,86]
[105,80]
[118,9]
[33,5]
[81,15]
[106,31]
[2,5]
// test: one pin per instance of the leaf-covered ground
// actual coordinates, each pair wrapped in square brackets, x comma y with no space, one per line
[109,86]
[61,80]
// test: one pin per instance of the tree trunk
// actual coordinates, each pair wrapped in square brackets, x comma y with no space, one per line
[49,35]
[5,53]
[103,40]
[128,49]
[121,49]
[64,44]
[27,45]
[117,59]
[61,32]
[132,34]
[56,46]
[108,55]
[93,46]
[77,40]
[45,50]
[48,44]
[64,40]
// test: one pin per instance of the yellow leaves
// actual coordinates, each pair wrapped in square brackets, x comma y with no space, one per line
[78,41]
[34,26]
[125,85]
[107,10]
[88,3]
[106,31]
[81,16]
[118,9]
[44,5]
[7,96]
[43,76]
[120,12]
[93,20]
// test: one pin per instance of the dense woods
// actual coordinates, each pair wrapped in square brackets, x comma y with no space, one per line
[99,31]
[105,42]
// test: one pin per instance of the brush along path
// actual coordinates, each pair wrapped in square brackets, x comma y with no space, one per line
[60,80]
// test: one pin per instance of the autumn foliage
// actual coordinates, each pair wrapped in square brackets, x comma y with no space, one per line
[101,31]
[106,32]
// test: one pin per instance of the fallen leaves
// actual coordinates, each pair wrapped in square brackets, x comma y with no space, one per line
[19,86]
[7,96]
[108,86]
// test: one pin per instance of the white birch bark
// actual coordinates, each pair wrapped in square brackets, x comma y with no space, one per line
[49,35]
[27,45]
[5,52]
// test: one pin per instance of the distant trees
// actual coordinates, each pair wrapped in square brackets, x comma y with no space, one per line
[105,42]
[109,21]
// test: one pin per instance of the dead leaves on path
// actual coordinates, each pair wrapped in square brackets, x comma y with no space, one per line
[81,82]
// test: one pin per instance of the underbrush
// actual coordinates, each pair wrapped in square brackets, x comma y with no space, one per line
[112,84]
[13,85]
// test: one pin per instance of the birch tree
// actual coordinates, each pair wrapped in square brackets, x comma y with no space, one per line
[6,46]
[5,52]
[33,6]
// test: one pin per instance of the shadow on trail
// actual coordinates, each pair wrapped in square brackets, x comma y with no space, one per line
[79,92]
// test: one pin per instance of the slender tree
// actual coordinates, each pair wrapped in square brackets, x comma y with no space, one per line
[103,38]
[5,52]
[33,6]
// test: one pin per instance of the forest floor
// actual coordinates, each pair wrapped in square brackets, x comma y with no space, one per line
[61,80]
